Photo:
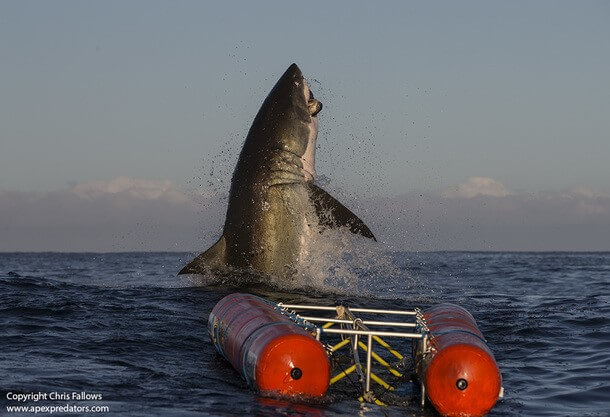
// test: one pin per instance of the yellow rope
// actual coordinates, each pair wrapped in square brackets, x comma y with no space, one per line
[381,382]
[339,345]
[380,360]
[361,399]
[388,347]
[342,375]
[351,369]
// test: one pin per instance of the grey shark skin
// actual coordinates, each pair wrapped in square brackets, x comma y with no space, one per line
[274,205]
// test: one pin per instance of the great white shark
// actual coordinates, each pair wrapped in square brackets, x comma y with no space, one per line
[275,207]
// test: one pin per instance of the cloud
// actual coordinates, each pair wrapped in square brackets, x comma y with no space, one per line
[486,216]
[131,214]
[136,188]
[588,192]
[123,214]
[475,186]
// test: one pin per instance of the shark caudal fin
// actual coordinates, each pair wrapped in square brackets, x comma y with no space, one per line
[214,257]
[331,213]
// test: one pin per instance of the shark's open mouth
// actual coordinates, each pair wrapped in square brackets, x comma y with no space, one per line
[313,105]
[308,158]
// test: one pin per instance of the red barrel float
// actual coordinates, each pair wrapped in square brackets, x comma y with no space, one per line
[459,372]
[270,351]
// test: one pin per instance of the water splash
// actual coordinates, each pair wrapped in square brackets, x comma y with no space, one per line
[339,261]
[335,262]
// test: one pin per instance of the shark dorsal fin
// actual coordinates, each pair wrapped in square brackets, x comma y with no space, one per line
[331,213]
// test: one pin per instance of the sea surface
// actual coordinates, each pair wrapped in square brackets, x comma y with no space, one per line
[124,327]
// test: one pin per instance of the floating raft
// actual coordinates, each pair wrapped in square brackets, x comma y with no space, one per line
[287,350]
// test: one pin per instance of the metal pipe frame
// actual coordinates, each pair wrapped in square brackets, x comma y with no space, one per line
[355,310]
[365,322]
[369,353]
[373,333]
[357,327]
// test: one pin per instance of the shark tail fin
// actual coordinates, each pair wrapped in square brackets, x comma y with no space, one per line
[214,257]
[331,213]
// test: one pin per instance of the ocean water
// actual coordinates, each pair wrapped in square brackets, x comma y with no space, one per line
[125,328]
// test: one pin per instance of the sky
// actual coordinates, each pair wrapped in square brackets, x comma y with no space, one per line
[470,125]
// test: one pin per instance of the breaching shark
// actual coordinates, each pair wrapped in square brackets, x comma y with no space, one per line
[275,207]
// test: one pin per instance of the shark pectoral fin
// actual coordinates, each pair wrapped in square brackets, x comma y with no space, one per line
[214,257]
[332,213]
